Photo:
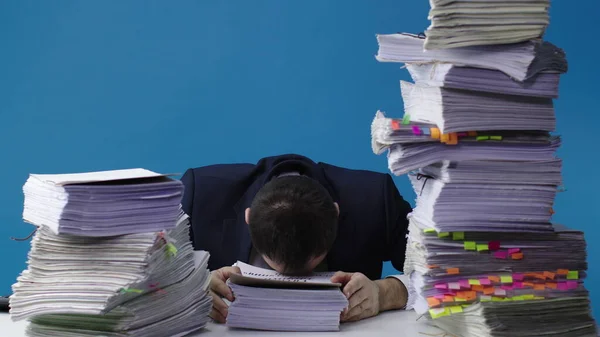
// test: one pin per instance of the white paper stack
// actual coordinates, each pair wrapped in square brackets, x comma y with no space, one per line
[102,203]
[146,283]
[267,300]
[460,23]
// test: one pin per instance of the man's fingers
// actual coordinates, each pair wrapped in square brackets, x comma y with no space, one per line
[216,316]
[341,277]
[354,313]
[354,285]
[357,298]
[220,288]
[219,305]
[227,271]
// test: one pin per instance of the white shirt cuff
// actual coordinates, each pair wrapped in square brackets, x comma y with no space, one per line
[410,301]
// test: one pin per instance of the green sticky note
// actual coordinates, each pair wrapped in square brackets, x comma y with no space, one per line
[496,137]
[443,234]
[429,230]
[482,247]
[538,297]
[485,298]
[171,249]
[528,297]
[518,298]
[458,236]
[573,275]
[506,279]
[497,299]
[406,119]
[458,299]
[440,312]
[132,290]
[456,309]
[470,245]
[474,282]
[480,138]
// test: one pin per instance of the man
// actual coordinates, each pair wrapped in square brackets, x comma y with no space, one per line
[293,215]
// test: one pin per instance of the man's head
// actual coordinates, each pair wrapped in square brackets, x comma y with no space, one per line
[293,223]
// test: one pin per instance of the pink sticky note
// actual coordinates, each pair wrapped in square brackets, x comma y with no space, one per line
[454,285]
[518,277]
[513,250]
[441,286]
[501,255]
[517,285]
[464,284]
[499,292]
[507,287]
[439,296]
[485,281]
[563,286]
[572,284]
[416,130]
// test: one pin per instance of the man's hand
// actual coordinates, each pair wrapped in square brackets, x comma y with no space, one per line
[218,290]
[362,295]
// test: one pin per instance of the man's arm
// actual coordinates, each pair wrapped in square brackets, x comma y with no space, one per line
[393,294]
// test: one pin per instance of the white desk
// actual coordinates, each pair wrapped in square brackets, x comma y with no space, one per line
[392,324]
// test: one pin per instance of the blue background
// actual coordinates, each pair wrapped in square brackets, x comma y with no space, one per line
[93,85]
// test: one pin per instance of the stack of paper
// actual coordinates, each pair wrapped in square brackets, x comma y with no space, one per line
[267,300]
[483,257]
[459,23]
[147,283]
[102,203]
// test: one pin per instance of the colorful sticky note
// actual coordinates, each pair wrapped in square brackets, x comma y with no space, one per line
[395,125]
[528,296]
[551,285]
[496,137]
[549,275]
[453,271]
[458,235]
[573,275]
[505,287]
[478,288]
[506,278]
[562,271]
[416,130]
[482,247]
[485,281]
[448,299]
[470,245]
[456,309]
[501,255]
[494,245]
[464,284]
[518,276]
[429,230]
[439,312]
[539,286]
[474,282]
[517,256]
[528,284]
[406,119]
[518,285]
[494,279]
[171,249]
[443,234]
[439,296]
[572,284]
[132,290]
[480,138]
[460,299]
[441,286]
[485,298]
[433,302]
[488,290]
[563,286]
[426,131]
[454,285]
[513,250]
[499,292]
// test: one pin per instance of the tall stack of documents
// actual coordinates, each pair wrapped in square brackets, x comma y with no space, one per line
[111,257]
[267,300]
[477,143]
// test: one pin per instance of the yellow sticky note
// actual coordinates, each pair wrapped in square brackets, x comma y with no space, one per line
[458,299]
[506,279]
[458,235]
[474,282]
[429,230]
[573,275]
[470,245]
[443,234]
[518,298]
[497,299]
[456,309]
[482,247]
[437,313]
[528,297]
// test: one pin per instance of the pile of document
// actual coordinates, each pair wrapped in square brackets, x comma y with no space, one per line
[267,300]
[476,141]
[141,282]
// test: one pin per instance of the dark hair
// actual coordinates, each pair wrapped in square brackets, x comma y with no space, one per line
[293,219]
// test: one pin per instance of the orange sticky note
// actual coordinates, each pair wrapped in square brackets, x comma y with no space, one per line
[528,284]
[432,266]
[551,285]
[435,133]
[540,276]
[444,137]
[453,140]
[488,290]
[448,299]
[562,271]
[478,288]
[472,133]
[395,125]
[433,302]
[538,286]
[549,275]
[452,271]
[517,256]
[494,279]
[471,295]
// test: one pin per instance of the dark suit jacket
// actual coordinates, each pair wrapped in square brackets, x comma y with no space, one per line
[371,228]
